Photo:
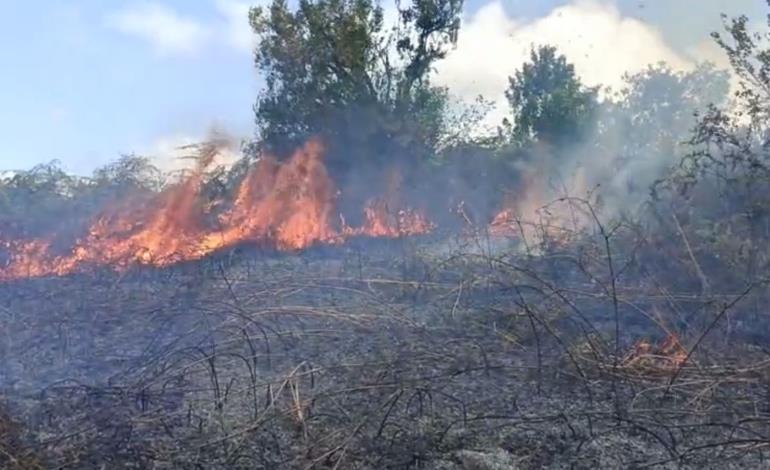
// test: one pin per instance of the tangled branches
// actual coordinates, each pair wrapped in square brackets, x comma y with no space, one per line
[447,355]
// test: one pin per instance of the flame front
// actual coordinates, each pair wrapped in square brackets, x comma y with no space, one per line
[289,206]
[381,221]
[286,205]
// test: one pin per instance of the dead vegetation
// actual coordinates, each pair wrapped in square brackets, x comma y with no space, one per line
[414,353]
[14,454]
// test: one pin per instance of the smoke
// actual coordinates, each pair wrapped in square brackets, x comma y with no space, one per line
[176,153]
[601,43]
[640,134]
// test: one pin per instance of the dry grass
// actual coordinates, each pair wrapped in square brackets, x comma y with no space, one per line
[14,454]
[398,358]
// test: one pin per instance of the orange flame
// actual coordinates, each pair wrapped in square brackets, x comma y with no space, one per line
[668,354]
[384,217]
[504,224]
[543,212]
[287,205]
[380,221]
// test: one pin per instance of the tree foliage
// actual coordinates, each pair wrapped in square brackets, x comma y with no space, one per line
[31,200]
[347,71]
[335,68]
[735,141]
[548,100]
[724,181]
[648,123]
[47,199]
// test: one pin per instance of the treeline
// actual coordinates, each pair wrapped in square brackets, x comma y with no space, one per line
[364,84]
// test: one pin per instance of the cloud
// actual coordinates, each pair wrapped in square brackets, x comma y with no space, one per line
[166,30]
[170,33]
[236,30]
[594,36]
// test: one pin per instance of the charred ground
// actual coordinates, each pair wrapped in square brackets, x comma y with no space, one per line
[600,299]
[389,357]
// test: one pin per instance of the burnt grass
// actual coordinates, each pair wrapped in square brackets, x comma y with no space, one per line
[405,354]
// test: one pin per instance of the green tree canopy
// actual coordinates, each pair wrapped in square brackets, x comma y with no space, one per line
[333,68]
[548,101]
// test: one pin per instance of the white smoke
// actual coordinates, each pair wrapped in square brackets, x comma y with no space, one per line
[595,37]
[174,153]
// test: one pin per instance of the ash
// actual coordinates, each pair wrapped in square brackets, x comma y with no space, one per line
[404,354]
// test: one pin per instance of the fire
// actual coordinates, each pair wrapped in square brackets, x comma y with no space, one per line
[26,258]
[504,224]
[287,205]
[556,223]
[542,210]
[668,354]
[381,221]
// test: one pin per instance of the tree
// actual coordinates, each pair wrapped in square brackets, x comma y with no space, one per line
[647,124]
[548,101]
[333,68]
[34,201]
[661,104]
[736,141]
[127,174]
[47,201]
[724,182]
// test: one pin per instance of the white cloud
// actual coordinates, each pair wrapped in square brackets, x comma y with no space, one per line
[236,30]
[171,33]
[593,35]
[166,30]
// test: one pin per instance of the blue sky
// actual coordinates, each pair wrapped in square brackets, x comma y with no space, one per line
[84,80]
[78,88]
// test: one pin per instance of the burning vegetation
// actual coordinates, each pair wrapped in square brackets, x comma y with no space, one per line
[377,283]
[286,205]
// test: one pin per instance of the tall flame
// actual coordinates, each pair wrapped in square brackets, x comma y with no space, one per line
[288,205]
